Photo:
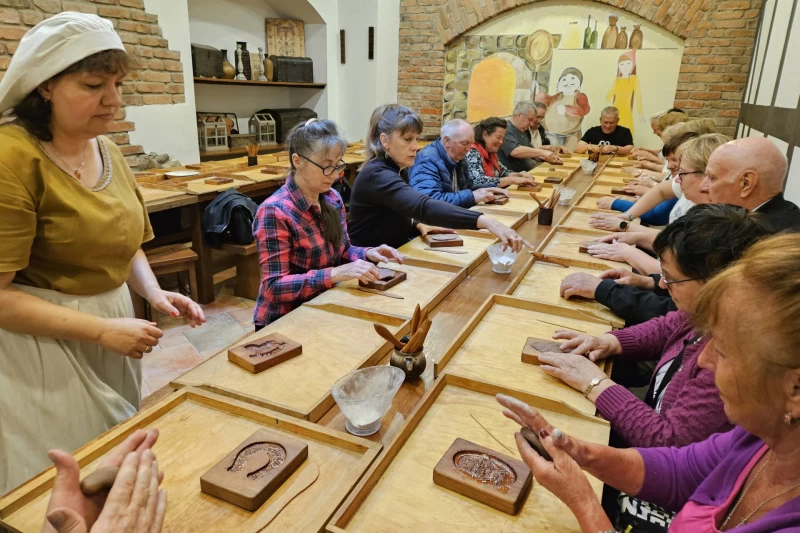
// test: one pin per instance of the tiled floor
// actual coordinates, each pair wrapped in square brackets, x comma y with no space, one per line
[182,348]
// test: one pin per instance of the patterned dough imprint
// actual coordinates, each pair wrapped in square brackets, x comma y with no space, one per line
[484,468]
[276,455]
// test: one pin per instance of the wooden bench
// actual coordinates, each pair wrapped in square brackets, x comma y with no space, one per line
[248,269]
[165,260]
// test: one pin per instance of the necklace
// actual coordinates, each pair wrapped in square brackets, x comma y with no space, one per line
[760,505]
[77,171]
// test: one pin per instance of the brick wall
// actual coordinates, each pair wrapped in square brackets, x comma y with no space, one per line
[718,34]
[158,78]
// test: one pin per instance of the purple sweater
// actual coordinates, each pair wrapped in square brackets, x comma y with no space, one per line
[705,473]
[691,409]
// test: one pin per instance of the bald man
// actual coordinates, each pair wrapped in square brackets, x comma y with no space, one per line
[440,170]
[749,172]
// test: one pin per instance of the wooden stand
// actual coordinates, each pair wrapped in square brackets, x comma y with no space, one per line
[534,346]
[249,475]
[389,278]
[484,475]
[443,240]
[264,352]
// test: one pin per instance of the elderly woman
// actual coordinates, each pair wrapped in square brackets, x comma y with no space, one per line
[682,405]
[747,479]
[385,208]
[301,230]
[622,246]
[73,223]
[483,167]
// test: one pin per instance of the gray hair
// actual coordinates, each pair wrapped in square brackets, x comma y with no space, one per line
[523,108]
[540,105]
[314,137]
[609,110]
[451,127]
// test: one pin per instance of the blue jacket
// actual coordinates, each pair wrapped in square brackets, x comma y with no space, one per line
[658,216]
[432,175]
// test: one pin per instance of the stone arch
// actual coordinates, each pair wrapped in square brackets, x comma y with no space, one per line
[718,36]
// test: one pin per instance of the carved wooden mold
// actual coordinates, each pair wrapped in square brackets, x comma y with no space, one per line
[264,352]
[443,240]
[484,475]
[534,346]
[250,474]
[218,181]
[553,179]
[388,279]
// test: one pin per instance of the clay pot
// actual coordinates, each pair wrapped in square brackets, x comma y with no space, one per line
[622,39]
[269,69]
[610,36]
[228,72]
[637,39]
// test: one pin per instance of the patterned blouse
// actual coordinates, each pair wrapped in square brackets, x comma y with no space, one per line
[476,174]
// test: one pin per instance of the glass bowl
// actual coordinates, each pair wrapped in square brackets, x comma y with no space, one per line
[365,395]
[566,196]
[588,166]
[502,260]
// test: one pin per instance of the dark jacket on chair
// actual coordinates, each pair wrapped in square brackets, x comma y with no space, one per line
[229,219]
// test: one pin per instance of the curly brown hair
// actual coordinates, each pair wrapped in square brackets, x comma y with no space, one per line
[34,112]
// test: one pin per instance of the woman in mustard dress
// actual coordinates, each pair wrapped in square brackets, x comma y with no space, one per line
[626,93]
[73,223]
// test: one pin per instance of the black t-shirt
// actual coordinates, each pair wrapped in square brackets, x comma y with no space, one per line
[621,136]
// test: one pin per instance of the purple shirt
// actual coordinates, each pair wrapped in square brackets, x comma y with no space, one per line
[691,409]
[706,473]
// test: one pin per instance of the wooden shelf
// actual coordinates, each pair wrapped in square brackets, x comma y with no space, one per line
[217,81]
[216,155]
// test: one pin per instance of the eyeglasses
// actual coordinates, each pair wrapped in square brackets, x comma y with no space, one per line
[327,171]
[682,174]
[667,281]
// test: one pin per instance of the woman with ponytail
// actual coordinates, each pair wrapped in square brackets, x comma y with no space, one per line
[301,230]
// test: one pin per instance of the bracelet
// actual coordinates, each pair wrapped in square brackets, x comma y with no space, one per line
[628,214]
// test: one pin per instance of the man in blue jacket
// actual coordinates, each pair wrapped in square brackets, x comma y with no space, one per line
[441,172]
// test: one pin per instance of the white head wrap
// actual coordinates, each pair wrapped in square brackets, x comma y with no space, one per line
[51,47]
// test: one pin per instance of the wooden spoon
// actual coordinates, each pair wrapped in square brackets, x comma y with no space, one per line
[386,334]
[305,479]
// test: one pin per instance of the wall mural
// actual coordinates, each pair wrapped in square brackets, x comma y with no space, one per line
[545,53]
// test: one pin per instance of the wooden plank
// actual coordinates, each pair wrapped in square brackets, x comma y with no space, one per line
[151,195]
[541,282]
[425,285]
[590,202]
[197,429]
[335,342]
[488,348]
[474,246]
[398,493]
[564,242]
[578,218]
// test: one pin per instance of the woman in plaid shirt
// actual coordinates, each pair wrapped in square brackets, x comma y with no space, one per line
[301,230]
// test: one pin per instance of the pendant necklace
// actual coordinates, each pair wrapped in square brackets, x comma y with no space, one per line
[76,172]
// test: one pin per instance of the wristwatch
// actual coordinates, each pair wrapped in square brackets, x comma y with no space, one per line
[592,384]
[623,225]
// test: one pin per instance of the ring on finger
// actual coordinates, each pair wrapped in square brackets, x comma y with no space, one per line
[148,350]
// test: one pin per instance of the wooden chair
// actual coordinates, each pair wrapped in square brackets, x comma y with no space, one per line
[168,260]
[248,269]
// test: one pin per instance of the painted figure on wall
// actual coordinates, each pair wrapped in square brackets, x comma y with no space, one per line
[565,109]
[626,93]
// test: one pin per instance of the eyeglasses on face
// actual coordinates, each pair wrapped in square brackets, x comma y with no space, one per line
[327,171]
[682,174]
[668,281]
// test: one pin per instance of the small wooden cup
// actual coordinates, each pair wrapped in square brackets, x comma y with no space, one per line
[545,216]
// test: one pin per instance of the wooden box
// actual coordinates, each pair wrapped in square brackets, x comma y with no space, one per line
[196,429]
[398,493]
[252,472]
[484,475]
[206,61]
[292,69]
[534,346]
[389,278]
[264,352]
[427,284]
[541,282]
[444,240]
[564,243]
[487,349]
[336,341]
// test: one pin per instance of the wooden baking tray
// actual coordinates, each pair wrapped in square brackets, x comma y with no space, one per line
[398,492]
[603,190]
[489,347]
[474,245]
[617,180]
[427,284]
[564,242]
[196,184]
[541,282]
[510,219]
[255,174]
[519,203]
[197,429]
[578,218]
[590,202]
[335,340]
[151,195]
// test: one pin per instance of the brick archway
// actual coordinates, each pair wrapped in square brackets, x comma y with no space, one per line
[718,34]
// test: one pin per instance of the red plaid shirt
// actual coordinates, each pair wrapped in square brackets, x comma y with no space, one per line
[296,261]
